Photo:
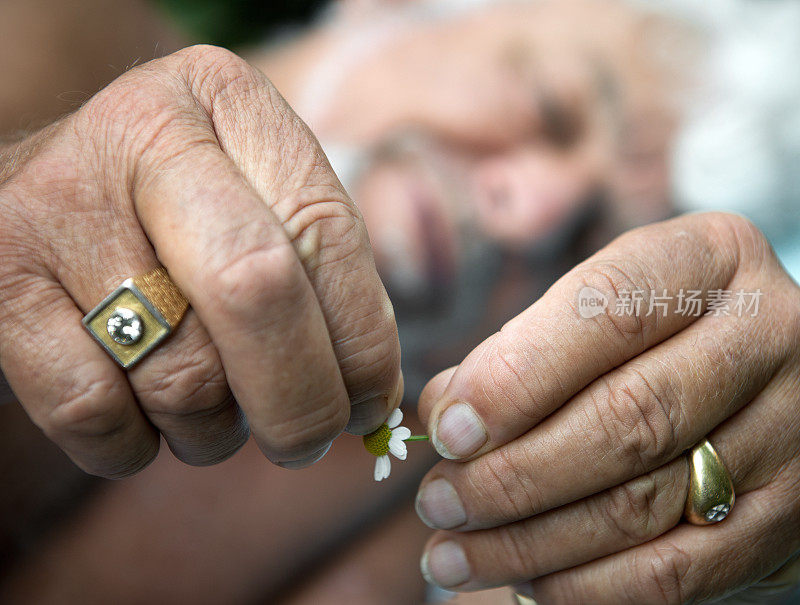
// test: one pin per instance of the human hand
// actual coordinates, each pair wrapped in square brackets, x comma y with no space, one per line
[195,162]
[569,431]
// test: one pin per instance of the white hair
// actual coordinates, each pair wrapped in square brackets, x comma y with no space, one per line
[739,146]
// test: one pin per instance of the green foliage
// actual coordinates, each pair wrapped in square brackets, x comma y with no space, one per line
[232,23]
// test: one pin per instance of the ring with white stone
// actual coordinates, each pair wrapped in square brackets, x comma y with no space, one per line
[137,316]
[711,496]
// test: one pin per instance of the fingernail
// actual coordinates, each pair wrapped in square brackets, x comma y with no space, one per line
[367,416]
[439,506]
[423,567]
[459,432]
[445,565]
[294,465]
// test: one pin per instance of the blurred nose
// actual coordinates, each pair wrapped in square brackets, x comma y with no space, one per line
[526,194]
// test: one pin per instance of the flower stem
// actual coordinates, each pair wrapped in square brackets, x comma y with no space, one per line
[417,438]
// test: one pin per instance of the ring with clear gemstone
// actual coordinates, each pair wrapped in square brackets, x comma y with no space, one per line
[717,513]
[125,326]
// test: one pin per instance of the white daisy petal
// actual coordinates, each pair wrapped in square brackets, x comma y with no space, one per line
[382,467]
[398,448]
[387,466]
[401,432]
[395,418]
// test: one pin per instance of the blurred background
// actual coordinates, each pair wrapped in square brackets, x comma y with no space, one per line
[491,145]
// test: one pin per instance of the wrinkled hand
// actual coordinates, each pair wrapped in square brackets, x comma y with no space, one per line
[569,431]
[193,161]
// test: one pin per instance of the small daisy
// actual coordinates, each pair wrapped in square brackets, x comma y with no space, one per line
[390,437]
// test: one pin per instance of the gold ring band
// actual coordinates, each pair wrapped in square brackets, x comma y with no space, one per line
[137,316]
[711,496]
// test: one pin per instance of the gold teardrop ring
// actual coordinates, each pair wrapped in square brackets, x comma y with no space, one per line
[711,494]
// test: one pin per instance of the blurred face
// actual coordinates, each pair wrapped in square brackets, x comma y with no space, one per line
[489,136]
[427,201]
[499,126]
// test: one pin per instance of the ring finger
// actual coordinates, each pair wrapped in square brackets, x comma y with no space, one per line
[180,386]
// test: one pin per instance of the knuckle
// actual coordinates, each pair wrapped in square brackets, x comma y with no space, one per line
[639,422]
[122,99]
[131,99]
[241,102]
[372,369]
[518,553]
[193,383]
[213,73]
[265,277]
[622,280]
[630,510]
[90,407]
[504,370]
[521,374]
[504,486]
[663,573]
[302,434]
[212,60]
[327,231]
[750,244]
[138,113]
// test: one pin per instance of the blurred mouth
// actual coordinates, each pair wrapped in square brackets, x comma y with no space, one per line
[417,245]
[437,236]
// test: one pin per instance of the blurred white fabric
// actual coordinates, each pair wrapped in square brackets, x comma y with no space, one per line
[739,148]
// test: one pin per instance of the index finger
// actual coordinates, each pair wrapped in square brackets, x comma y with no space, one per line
[560,344]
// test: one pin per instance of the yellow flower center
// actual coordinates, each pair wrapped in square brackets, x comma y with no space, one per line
[377,443]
